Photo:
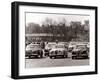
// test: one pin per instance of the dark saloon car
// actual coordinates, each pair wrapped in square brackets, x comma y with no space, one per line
[80,51]
[34,50]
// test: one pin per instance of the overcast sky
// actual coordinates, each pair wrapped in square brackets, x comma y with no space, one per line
[40,17]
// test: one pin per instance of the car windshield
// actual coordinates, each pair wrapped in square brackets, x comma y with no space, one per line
[50,45]
[80,47]
[72,44]
[59,46]
[34,46]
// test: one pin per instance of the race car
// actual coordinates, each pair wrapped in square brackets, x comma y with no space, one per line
[80,51]
[34,50]
[71,46]
[59,50]
[48,47]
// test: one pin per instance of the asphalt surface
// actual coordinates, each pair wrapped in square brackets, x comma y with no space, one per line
[47,62]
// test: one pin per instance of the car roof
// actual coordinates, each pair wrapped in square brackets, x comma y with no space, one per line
[51,43]
[81,44]
[60,44]
[33,44]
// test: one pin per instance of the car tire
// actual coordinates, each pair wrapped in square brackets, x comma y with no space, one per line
[86,57]
[66,56]
[41,56]
[73,57]
[38,56]
[29,57]
[52,57]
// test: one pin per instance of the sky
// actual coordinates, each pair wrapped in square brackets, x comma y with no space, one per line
[39,18]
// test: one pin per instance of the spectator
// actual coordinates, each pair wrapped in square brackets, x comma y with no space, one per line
[43,45]
[56,41]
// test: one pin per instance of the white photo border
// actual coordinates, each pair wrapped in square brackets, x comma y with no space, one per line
[54,70]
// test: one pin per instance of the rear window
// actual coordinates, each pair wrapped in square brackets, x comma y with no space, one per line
[80,47]
[34,46]
[59,46]
[50,45]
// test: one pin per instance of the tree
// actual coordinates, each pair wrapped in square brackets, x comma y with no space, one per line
[33,28]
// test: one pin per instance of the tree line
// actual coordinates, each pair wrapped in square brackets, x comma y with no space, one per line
[74,31]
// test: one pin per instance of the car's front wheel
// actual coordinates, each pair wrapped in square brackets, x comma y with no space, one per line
[73,57]
[40,54]
[65,56]
[52,57]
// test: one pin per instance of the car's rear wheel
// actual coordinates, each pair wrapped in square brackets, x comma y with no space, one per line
[30,57]
[86,57]
[41,56]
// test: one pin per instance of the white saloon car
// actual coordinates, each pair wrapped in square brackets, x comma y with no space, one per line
[48,47]
[58,50]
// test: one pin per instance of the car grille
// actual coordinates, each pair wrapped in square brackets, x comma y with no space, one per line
[57,52]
